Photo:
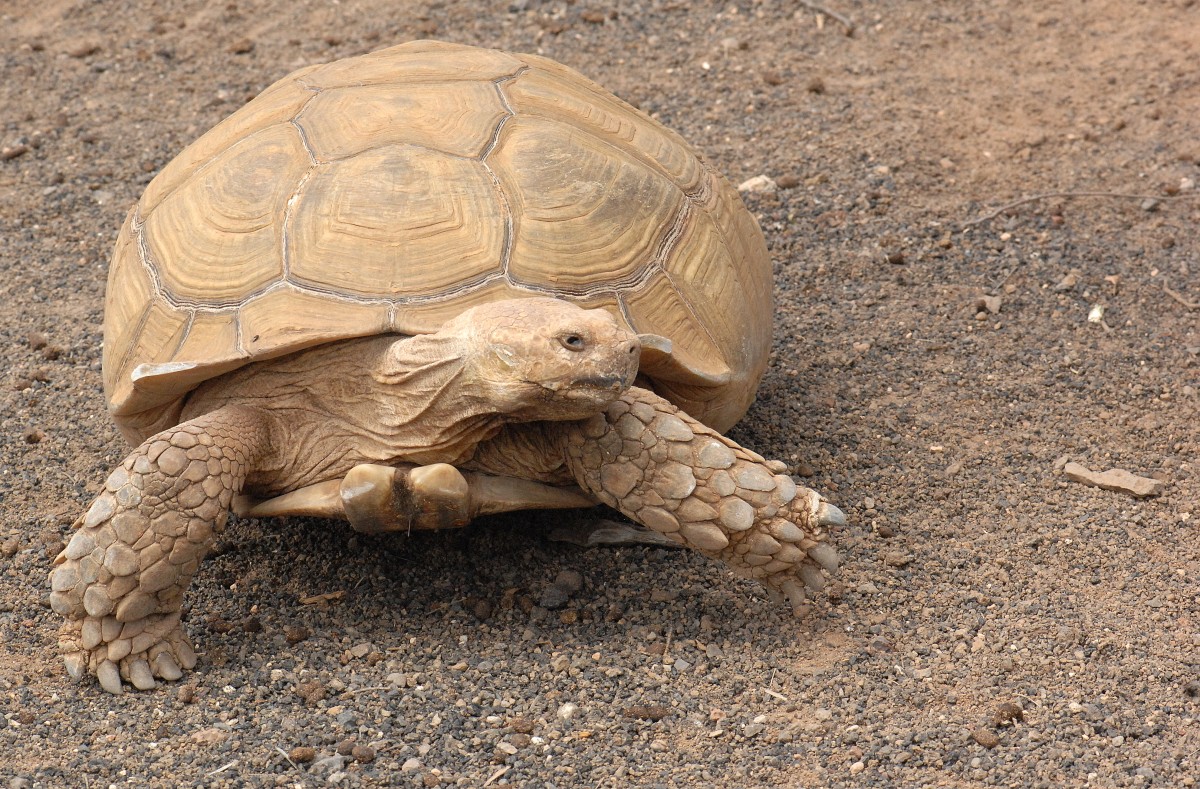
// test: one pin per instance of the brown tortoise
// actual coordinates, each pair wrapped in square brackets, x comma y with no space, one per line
[415,286]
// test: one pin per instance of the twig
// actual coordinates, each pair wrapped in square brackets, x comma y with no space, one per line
[498,774]
[221,769]
[773,694]
[1050,195]
[283,753]
[356,691]
[845,21]
[1191,305]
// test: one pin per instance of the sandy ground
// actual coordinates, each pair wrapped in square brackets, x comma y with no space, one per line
[994,623]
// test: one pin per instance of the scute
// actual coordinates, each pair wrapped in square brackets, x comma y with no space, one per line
[355,218]
[277,104]
[391,191]
[591,109]
[432,61]
[226,221]
[586,215]
[458,118]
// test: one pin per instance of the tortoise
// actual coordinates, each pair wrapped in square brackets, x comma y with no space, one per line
[409,288]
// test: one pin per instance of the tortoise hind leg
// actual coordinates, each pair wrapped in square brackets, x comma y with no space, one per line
[120,580]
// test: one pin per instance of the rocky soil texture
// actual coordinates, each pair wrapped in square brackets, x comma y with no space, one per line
[956,369]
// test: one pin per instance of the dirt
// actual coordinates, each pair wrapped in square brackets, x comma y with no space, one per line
[939,359]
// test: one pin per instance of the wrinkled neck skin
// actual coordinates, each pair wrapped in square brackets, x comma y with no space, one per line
[372,400]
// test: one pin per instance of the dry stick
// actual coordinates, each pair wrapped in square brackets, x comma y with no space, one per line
[846,22]
[1191,305]
[1049,195]
[284,754]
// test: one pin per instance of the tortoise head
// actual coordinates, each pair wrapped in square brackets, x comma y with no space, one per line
[545,358]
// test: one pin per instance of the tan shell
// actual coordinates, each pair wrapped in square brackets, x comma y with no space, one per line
[387,192]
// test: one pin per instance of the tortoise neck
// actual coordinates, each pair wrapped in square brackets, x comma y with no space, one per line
[435,409]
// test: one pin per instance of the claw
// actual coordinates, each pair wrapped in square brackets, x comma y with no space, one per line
[166,667]
[110,677]
[140,676]
[812,577]
[829,515]
[187,656]
[795,596]
[824,555]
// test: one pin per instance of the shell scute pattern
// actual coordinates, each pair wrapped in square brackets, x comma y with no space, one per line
[307,216]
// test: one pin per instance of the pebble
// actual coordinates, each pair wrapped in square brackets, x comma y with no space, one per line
[567,711]
[553,597]
[570,581]
[759,184]
[302,754]
[1007,713]
[411,765]
[1118,480]
[985,737]
[82,47]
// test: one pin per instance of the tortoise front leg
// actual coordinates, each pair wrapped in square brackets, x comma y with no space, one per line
[120,580]
[671,473]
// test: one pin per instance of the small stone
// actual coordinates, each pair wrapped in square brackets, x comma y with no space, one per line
[1115,479]
[1006,713]
[897,559]
[294,634]
[568,711]
[759,184]
[787,181]
[815,85]
[364,754]
[82,47]
[302,754]
[553,598]
[12,152]
[521,725]
[986,738]
[1069,281]
[857,767]
[242,46]
[210,736]
[570,581]
[483,609]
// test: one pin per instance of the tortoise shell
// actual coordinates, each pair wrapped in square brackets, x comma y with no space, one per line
[388,192]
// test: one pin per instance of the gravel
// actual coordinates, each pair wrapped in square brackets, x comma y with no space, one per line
[993,624]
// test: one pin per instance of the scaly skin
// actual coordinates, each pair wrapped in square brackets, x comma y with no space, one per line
[657,465]
[120,580]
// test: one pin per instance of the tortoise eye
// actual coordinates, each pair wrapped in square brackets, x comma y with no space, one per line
[572,342]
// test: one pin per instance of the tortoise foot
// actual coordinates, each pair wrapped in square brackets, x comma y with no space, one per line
[134,652]
[666,470]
